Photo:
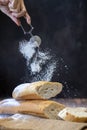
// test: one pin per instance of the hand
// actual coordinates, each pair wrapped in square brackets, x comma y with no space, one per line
[15,9]
[18,9]
[5,9]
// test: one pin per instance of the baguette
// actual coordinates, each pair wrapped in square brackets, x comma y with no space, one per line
[42,108]
[78,114]
[37,90]
[25,122]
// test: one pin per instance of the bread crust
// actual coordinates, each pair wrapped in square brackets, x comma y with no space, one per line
[78,114]
[23,122]
[37,90]
[44,108]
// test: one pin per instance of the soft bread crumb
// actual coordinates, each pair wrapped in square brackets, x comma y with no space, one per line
[37,90]
[78,114]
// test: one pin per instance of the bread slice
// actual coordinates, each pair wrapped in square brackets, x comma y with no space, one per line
[78,114]
[37,90]
[25,122]
[42,108]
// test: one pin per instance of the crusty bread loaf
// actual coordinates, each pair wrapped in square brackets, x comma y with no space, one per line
[42,108]
[77,114]
[37,90]
[25,122]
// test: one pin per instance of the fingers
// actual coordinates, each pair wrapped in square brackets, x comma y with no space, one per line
[27,17]
[15,9]
[14,6]
[24,14]
[20,14]
[14,19]
[4,2]
[6,11]
[14,3]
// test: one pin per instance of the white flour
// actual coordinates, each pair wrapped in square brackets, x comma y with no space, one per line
[27,49]
[41,64]
[10,102]
[47,73]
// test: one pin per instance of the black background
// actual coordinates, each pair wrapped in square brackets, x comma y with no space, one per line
[62,26]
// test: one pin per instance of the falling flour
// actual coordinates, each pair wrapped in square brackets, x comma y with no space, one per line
[41,65]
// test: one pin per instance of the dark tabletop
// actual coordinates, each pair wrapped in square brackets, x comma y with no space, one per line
[77,102]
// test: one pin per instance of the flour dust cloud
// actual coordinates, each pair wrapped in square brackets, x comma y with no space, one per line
[41,64]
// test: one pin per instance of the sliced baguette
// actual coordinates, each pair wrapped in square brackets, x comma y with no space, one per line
[78,114]
[42,108]
[37,90]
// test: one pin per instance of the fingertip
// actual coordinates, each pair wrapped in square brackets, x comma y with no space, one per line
[28,18]
[18,24]
[16,21]
[29,21]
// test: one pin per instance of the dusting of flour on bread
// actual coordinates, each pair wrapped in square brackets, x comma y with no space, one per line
[9,102]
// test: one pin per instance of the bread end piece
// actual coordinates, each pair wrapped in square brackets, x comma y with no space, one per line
[77,114]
